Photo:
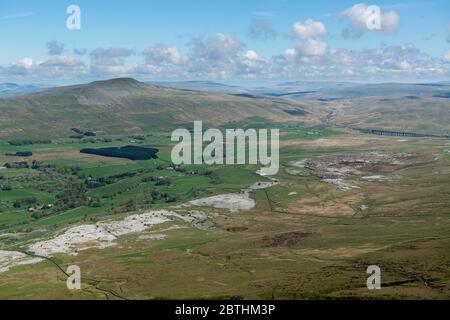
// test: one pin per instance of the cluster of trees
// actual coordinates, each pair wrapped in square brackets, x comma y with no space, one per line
[73,197]
[92,140]
[127,152]
[72,170]
[36,165]
[156,196]
[27,202]
[40,214]
[140,138]
[92,183]
[159,181]
[25,142]
[88,136]
[73,187]
[17,165]
[153,197]
[88,133]
[21,154]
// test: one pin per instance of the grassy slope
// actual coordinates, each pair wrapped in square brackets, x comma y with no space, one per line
[123,106]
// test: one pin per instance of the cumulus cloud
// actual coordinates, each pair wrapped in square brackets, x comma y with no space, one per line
[102,53]
[223,56]
[62,67]
[251,65]
[261,29]
[218,48]
[312,47]
[251,55]
[379,64]
[404,57]
[214,56]
[55,48]
[163,54]
[446,57]
[26,63]
[111,61]
[309,34]
[289,54]
[361,19]
[62,61]
[309,30]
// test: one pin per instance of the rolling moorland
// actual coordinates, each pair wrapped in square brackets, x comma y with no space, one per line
[344,198]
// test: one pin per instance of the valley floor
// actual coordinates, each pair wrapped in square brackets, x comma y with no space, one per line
[343,201]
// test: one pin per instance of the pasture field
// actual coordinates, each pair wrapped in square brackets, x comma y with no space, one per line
[344,201]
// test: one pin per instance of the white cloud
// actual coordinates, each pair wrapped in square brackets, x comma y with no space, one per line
[312,47]
[215,56]
[111,61]
[223,56]
[360,17]
[290,53]
[163,54]
[446,57]
[405,65]
[101,53]
[251,55]
[59,67]
[309,30]
[390,21]
[386,63]
[26,63]
[61,61]
[309,34]
[251,65]
[217,48]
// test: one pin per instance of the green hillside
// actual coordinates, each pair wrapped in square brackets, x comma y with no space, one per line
[124,106]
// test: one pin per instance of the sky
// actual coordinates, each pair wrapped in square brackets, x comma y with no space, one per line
[246,41]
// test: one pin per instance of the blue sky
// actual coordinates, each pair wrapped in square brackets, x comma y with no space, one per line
[228,40]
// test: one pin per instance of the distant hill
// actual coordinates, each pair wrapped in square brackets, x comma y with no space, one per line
[205,86]
[8,90]
[421,108]
[276,90]
[125,106]
[301,88]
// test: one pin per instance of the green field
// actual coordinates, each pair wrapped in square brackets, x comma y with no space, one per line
[304,239]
